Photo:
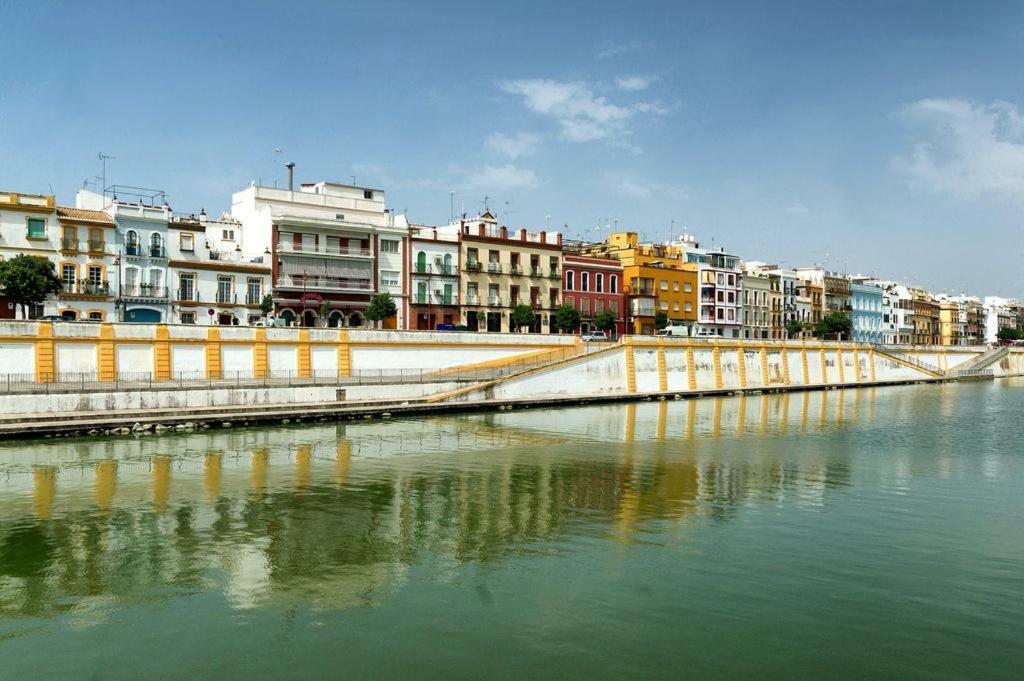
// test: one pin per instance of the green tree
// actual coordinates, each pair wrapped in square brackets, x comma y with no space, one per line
[267,304]
[28,280]
[567,318]
[1008,334]
[381,307]
[660,320]
[605,320]
[794,327]
[324,310]
[836,325]
[522,315]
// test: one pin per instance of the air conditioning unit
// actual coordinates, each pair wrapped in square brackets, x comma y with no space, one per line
[437,291]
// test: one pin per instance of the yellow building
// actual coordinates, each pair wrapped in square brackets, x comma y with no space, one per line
[656,278]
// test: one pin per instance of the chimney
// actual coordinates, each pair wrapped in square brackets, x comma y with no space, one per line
[504,232]
[291,175]
[202,216]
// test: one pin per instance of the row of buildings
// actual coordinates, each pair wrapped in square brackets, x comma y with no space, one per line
[314,256]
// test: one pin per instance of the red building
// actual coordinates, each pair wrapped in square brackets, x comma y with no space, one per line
[593,285]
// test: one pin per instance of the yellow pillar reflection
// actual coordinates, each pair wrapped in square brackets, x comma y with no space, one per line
[303,462]
[823,412]
[212,464]
[106,483]
[840,407]
[784,425]
[691,418]
[260,462]
[763,424]
[662,419]
[803,411]
[161,482]
[44,489]
[741,415]
[716,421]
[342,463]
[630,422]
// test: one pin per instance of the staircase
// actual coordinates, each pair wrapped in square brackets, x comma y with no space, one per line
[979,366]
[909,360]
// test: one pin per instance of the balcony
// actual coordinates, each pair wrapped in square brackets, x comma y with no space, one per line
[323,283]
[95,246]
[187,296]
[323,249]
[157,252]
[516,270]
[254,298]
[226,298]
[132,249]
[472,299]
[494,302]
[425,268]
[554,274]
[635,290]
[69,245]
[147,291]
[84,287]
[494,268]
[473,266]
[537,304]
[433,299]
[536,272]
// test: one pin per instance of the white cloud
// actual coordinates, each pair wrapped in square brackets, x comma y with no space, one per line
[581,115]
[501,178]
[513,146]
[635,83]
[633,188]
[965,148]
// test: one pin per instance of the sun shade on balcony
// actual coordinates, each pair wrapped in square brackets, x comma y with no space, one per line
[349,269]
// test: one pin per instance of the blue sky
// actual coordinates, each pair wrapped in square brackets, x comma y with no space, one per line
[880,137]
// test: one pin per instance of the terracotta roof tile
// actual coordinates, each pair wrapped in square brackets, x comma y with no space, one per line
[68,213]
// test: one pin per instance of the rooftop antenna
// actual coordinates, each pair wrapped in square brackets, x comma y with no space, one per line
[547,219]
[103,158]
[353,180]
[486,199]
[451,202]
[277,161]
[508,213]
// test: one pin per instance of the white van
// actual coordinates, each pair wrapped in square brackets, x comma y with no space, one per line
[678,331]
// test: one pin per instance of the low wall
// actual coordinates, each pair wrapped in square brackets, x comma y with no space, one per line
[211,397]
[650,366]
[43,351]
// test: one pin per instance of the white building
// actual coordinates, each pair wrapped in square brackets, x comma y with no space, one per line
[721,285]
[433,277]
[998,315]
[332,247]
[211,280]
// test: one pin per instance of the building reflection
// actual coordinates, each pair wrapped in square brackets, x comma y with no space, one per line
[334,515]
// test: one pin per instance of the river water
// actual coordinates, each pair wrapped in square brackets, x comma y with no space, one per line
[859,534]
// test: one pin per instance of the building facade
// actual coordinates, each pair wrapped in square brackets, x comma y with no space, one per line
[866,312]
[758,314]
[433,278]
[331,247]
[592,286]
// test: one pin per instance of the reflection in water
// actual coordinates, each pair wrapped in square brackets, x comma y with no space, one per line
[340,516]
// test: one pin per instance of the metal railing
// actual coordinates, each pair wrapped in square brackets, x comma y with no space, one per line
[225,298]
[324,282]
[888,349]
[143,291]
[285,247]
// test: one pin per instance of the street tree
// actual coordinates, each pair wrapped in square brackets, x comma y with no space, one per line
[28,280]
[567,318]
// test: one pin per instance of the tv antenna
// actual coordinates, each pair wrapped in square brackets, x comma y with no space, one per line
[104,158]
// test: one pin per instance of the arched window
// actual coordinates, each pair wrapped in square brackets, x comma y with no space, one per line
[421,262]
[570,280]
[131,242]
[156,245]
[600,283]
[585,281]
[613,284]
[448,264]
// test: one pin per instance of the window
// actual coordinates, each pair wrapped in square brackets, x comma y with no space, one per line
[186,242]
[227,234]
[95,275]
[186,287]
[94,315]
[721,279]
[254,292]
[585,281]
[388,278]
[688,307]
[664,305]
[613,284]
[570,280]
[36,228]
[188,317]
[598,306]
[675,307]
[224,285]
[688,287]
[156,245]
[600,283]
[675,285]
[388,246]
[68,275]
[69,238]
[368,194]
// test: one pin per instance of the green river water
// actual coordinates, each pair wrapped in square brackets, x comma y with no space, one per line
[860,534]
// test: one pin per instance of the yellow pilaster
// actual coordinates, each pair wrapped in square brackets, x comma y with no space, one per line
[259,354]
[213,353]
[46,360]
[716,358]
[691,369]
[803,361]
[106,358]
[344,355]
[304,354]
[764,364]
[839,363]
[662,371]
[871,363]
[785,366]
[741,356]
[824,367]
[161,354]
[630,368]
[856,366]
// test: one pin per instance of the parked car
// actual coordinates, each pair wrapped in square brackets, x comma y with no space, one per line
[706,333]
[599,336]
[51,318]
[681,331]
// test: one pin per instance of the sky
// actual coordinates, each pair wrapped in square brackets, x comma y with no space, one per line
[884,138]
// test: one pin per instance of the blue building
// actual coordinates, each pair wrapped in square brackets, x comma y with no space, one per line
[866,301]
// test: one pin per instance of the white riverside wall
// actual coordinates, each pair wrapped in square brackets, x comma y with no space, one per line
[608,372]
[182,398]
